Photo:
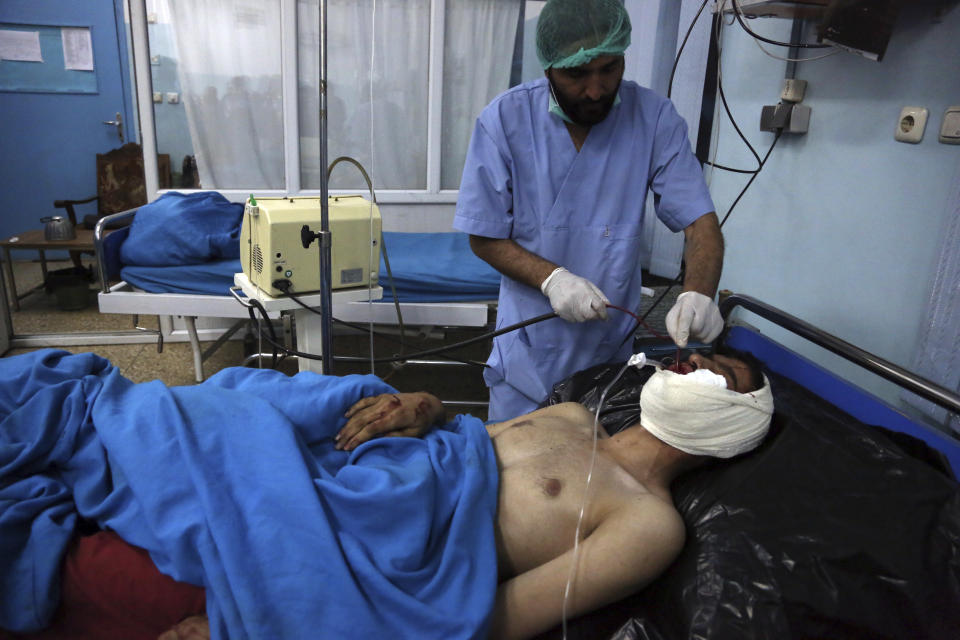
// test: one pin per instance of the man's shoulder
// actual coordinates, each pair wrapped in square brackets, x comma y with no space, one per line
[652,535]
[651,517]
[520,96]
[643,97]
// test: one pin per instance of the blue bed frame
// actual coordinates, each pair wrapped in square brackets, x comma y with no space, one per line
[864,406]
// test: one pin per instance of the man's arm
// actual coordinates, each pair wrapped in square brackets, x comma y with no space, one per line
[695,314]
[703,255]
[390,414]
[512,260]
[623,554]
[573,298]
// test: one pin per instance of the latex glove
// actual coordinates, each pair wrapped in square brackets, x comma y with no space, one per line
[694,315]
[575,299]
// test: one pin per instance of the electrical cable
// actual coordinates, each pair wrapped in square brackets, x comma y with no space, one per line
[676,60]
[811,59]
[717,41]
[737,12]
[733,121]
[753,177]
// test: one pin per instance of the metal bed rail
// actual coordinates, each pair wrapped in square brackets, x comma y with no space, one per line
[99,233]
[924,388]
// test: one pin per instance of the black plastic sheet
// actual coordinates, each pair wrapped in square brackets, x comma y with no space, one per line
[830,529]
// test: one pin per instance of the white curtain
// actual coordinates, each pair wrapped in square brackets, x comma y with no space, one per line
[229,71]
[938,357]
[377,66]
[378,54]
[229,66]
[479,37]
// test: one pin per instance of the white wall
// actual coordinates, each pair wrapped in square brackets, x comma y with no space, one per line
[841,227]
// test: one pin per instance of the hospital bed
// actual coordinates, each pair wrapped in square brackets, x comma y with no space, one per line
[438,283]
[844,523]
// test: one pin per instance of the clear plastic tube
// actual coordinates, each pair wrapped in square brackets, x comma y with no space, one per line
[571,576]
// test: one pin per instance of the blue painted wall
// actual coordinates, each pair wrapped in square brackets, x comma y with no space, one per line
[43,163]
[842,226]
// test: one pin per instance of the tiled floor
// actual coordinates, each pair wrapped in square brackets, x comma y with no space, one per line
[39,314]
[141,362]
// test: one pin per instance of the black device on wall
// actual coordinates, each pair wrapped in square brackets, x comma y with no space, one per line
[860,26]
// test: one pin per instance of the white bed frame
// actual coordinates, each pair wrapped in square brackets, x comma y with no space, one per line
[225,314]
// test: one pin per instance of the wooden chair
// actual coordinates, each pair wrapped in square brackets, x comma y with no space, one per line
[121,186]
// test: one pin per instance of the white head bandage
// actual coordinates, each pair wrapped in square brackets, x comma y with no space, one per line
[701,418]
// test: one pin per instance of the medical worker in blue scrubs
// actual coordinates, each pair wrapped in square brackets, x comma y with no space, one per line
[553,195]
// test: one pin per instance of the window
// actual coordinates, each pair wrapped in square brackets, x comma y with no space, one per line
[405,82]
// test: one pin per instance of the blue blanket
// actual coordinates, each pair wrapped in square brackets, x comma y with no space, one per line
[184,228]
[234,485]
[436,267]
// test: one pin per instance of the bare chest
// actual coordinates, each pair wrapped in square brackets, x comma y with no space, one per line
[544,466]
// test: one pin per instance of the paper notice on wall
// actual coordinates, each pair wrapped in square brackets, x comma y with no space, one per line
[77,48]
[21,46]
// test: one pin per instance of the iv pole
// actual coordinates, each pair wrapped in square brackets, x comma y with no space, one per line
[326,304]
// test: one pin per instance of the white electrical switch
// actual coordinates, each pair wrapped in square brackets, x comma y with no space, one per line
[950,129]
[913,120]
[173,98]
[157,96]
[154,59]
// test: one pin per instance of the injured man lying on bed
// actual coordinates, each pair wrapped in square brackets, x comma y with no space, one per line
[278,496]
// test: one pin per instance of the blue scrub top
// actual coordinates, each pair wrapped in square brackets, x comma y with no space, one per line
[524,179]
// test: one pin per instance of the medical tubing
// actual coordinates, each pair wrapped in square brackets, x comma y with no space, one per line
[428,352]
[390,338]
[571,574]
[383,243]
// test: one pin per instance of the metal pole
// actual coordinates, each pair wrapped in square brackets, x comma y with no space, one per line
[144,93]
[326,301]
[941,396]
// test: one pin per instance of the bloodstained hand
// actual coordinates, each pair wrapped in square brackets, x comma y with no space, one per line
[389,414]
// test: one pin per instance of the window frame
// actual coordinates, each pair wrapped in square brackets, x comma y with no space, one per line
[432,194]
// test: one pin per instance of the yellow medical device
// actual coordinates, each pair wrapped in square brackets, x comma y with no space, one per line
[272,248]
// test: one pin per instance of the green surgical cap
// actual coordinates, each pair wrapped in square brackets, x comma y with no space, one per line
[571,33]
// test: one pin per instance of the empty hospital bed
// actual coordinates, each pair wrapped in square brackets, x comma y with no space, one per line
[843,524]
[437,280]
